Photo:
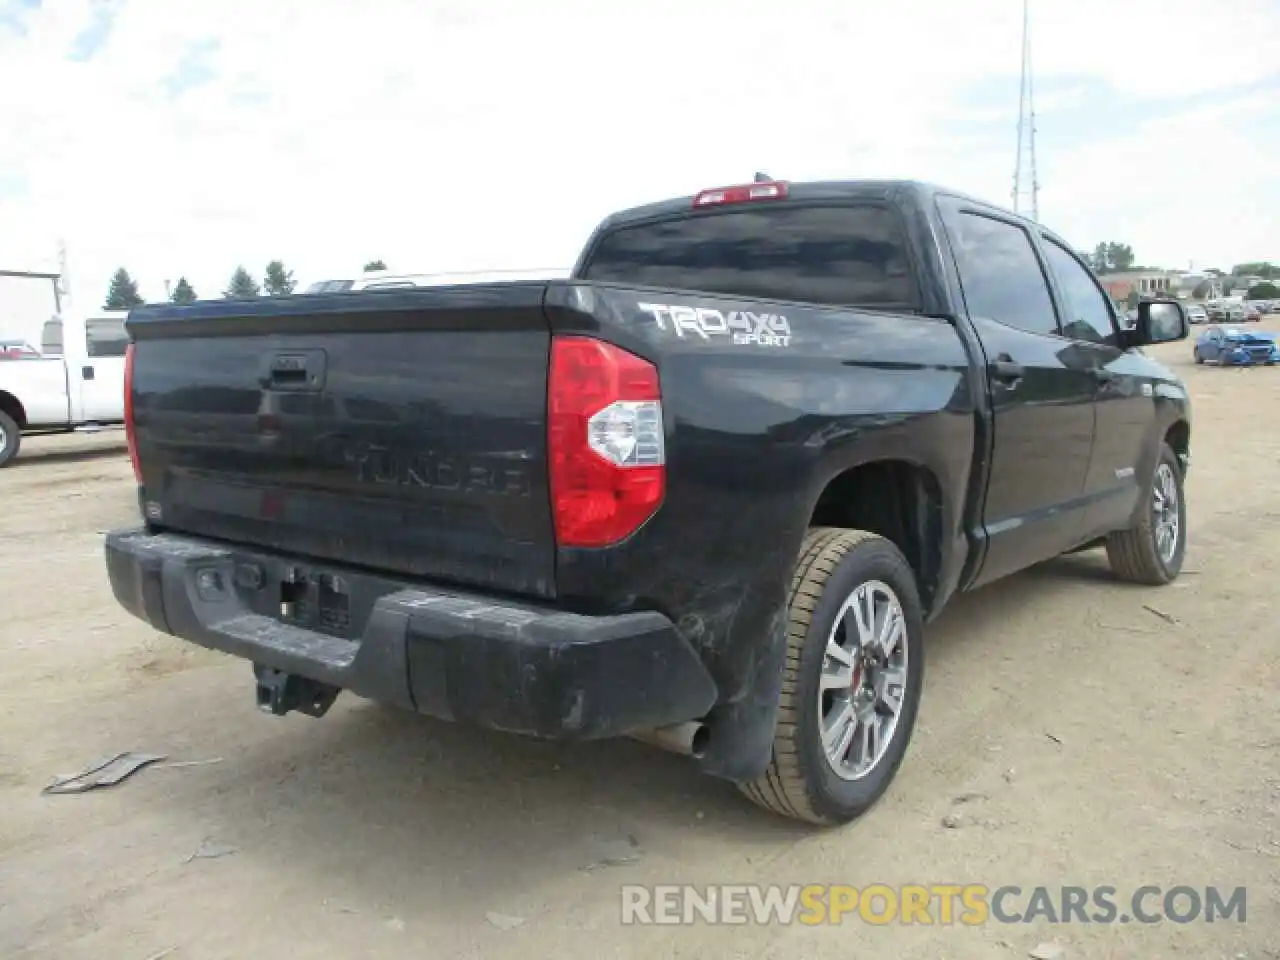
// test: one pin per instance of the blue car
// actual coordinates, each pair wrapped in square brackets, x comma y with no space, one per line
[1233,346]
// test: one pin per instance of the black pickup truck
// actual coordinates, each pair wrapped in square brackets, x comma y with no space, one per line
[706,491]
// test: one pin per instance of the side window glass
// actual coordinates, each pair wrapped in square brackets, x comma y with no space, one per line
[1088,317]
[1001,274]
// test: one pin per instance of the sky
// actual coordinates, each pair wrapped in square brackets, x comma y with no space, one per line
[187,138]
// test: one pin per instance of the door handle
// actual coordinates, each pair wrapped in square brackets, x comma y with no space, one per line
[86,373]
[1006,370]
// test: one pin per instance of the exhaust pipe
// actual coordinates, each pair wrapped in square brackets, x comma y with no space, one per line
[688,739]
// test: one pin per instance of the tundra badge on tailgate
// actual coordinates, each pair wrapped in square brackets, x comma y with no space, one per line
[761,329]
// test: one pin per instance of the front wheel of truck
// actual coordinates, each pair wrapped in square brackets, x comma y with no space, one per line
[1151,552]
[852,679]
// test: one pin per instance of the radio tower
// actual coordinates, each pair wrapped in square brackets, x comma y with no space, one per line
[1026,187]
[64,276]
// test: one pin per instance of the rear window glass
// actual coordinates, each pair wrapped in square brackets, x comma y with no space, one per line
[852,254]
[105,337]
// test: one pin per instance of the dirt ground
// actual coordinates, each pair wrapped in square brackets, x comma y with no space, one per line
[1104,734]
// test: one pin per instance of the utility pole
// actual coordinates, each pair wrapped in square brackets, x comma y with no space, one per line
[1026,185]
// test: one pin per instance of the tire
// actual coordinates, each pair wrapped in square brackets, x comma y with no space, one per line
[1199,359]
[1135,554]
[801,782]
[10,439]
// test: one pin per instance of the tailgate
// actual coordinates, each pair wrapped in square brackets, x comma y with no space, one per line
[397,430]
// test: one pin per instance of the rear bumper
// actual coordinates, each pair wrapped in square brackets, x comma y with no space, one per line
[449,654]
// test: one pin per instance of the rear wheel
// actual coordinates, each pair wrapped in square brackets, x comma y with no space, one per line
[1152,551]
[852,680]
[10,439]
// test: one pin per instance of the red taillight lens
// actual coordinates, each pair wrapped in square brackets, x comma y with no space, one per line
[606,442]
[130,431]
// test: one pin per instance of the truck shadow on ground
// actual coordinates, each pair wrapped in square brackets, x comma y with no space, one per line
[479,814]
[969,615]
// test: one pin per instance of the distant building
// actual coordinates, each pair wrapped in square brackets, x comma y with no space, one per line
[1191,281]
[1146,283]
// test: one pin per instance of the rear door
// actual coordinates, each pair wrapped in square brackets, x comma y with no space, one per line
[1041,392]
[100,371]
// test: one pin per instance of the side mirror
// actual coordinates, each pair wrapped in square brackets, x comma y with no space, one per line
[1159,321]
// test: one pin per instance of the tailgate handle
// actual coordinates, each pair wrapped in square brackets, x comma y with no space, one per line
[296,370]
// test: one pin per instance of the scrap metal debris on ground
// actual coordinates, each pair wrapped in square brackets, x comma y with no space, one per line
[105,774]
[118,768]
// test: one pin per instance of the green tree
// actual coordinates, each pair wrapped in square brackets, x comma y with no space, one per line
[278,281]
[1109,257]
[1132,300]
[1261,268]
[373,265]
[123,292]
[1201,291]
[183,292]
[242,286]
[1120,255]
[1264,291]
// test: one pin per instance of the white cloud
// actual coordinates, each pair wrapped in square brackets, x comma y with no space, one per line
[1197,187]
[496,133]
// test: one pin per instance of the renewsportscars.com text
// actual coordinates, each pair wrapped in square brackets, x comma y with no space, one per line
[929,904]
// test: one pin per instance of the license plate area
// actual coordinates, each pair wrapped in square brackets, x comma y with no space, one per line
[315,598]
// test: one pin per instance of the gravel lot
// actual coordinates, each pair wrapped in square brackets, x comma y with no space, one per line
[1102,735]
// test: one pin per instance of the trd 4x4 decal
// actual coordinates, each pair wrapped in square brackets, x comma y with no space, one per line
[746,328]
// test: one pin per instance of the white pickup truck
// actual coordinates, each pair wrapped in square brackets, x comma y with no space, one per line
[77,381]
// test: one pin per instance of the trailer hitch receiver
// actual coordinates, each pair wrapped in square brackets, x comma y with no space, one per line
[279,693]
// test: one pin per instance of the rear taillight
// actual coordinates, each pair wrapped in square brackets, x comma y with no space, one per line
[605,432]
[130,431]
